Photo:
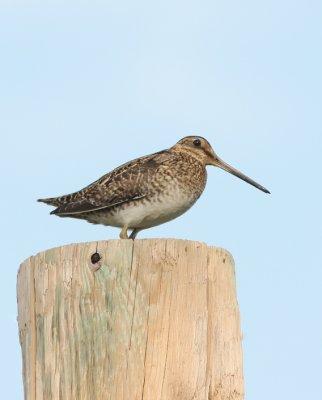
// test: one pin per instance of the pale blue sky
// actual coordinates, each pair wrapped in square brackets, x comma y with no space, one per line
[87,86]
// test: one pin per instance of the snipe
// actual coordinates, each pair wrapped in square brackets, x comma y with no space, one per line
[147,191]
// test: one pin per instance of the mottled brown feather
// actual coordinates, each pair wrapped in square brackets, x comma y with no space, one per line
[126,183]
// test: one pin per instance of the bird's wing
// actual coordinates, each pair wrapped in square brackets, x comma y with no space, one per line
[124,184]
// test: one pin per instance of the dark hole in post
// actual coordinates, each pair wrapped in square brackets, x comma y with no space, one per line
[95,258]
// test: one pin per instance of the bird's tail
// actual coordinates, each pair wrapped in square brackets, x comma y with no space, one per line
[52,201]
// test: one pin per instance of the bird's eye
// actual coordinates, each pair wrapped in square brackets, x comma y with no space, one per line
[197,142]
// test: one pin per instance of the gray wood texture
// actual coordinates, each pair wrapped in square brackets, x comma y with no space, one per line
[158,320]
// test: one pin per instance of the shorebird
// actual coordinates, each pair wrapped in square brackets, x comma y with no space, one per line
[147,191]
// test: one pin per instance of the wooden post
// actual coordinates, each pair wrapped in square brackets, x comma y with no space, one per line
[158,321]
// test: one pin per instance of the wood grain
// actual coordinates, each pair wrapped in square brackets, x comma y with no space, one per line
[158,321]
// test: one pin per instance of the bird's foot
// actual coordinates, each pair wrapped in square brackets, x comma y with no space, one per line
[123,234]
[134,233]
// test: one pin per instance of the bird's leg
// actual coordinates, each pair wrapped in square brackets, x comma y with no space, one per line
[134,233]
[123,234]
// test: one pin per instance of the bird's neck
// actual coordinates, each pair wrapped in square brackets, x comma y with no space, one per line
[186,152]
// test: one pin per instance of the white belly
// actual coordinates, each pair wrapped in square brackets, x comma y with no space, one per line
[146,213]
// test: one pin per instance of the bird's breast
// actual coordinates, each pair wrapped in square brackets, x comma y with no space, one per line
[153,210]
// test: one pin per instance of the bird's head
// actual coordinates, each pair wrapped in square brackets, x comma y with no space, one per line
[201,149]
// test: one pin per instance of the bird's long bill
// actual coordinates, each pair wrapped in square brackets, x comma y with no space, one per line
[221,164]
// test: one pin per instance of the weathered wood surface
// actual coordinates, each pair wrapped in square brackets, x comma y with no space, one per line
[158,321]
